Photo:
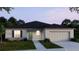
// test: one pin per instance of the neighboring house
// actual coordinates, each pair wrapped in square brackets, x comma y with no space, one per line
[39,31]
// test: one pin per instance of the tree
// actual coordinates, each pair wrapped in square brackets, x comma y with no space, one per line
[74,9]
[3,21]
[75,23]
[2,31]
[20,22]
[12,21]
[66,22]
[8,9]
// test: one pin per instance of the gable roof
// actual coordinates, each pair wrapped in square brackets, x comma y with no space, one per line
[37,24]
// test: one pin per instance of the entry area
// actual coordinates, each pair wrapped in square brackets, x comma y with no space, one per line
[59,35]
[34,34]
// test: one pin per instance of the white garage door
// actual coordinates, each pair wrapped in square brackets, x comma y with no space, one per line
[59,35]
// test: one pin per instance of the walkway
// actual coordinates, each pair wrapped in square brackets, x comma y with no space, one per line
[38,45]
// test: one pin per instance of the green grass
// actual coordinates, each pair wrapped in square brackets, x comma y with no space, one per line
[16,45]
[48,44]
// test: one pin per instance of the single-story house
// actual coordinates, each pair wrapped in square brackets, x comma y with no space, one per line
[39,31]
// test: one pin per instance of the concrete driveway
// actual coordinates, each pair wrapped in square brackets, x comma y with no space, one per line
[68,45]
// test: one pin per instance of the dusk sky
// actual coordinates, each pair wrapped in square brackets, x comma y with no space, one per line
[44,14]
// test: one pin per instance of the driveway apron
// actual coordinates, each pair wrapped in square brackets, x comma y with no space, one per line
[68,45]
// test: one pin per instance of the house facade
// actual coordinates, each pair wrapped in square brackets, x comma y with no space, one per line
[39,31]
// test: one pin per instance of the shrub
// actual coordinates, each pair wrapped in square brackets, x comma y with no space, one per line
[24,39]
[46,39]
[6,40]
[72,39]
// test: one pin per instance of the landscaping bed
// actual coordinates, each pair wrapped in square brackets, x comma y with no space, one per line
[76,36]
[16,45]
[48,44]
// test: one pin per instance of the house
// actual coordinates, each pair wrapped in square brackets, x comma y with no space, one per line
[39,31]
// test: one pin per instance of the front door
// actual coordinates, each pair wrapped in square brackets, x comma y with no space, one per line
[36,35]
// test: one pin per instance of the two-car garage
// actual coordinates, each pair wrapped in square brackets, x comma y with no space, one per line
[59,34]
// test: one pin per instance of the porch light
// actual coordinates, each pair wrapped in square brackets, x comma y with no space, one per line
[37,32]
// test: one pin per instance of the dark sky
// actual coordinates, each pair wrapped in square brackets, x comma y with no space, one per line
[43,14]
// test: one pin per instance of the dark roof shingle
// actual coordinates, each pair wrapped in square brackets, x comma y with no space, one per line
[37,24]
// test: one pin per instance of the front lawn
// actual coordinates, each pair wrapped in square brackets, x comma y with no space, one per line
[16,45]
[48,44]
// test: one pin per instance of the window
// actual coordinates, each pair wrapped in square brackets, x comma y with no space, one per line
[8,33]
[17,33]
